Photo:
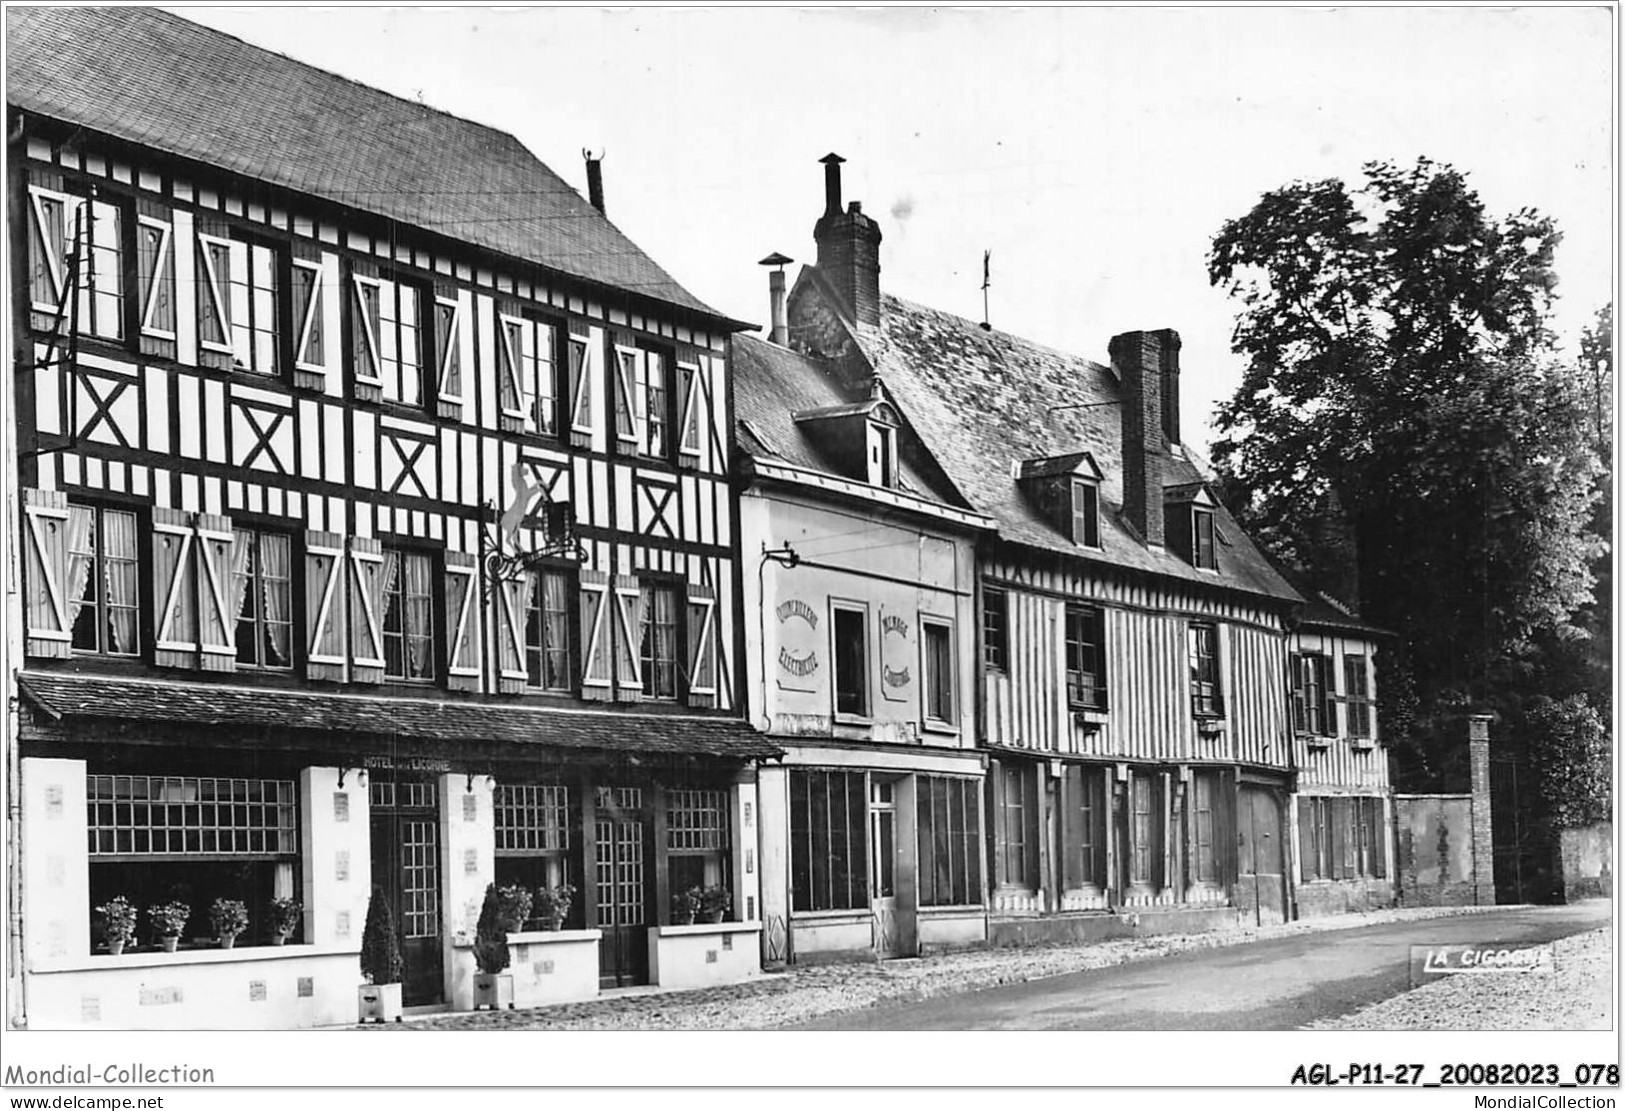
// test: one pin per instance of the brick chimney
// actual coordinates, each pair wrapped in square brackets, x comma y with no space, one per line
[848,249]
[1138,359]
[1170,384]
[1478,762]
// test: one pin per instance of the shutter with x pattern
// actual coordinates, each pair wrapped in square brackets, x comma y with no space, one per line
[462,622]
[46,531]
[215,546]
[514,387]
[364,301]
[156,306]
[582,360]
[597,674]
[448,350]
[626,374]
[691,410]
[371,574]
[174,588]
[702,645]
[314,350]
[213,278]
[513,605]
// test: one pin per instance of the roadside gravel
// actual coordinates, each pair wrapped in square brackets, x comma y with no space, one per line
[1578,995]
[807,993]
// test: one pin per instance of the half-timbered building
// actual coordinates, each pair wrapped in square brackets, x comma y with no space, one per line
[1131,640]
[861,666]
[374,530]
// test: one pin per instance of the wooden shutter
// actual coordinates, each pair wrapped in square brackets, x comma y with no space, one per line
[213,280]
[1299,706]
[1328,697]
[45,572]
[371,573]
[327,655]
[1379,839]
[702,646]
[312,346]
[1342,839]
[690,411]
[53,223]
[462,622]
[583,358]
[216,589]
[513,392]
[1308,867]
[156,308]
[364,299]
[624,374]
[448,351]
[628,622]
[1072,794]
[512,601]
[174,592]
[597,674]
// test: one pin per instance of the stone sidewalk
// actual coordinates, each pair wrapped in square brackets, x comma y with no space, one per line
[802,994]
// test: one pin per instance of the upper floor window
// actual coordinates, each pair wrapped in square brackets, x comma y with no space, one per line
[657,393]
[1207,695]
[1085,513]
[527,375]
[103,580]
[937,646]
[1203,553]
[386,350]
[1311,695]
[265,609]
[408,626]
[883,463]
[237,301]
[1357,696]
[547,632]
[75,246]
[995,627]
[659,641]
[1085,657]
[849,628]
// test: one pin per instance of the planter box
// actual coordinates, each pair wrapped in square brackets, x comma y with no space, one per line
[704,954]
[547,966]
[493,990]
[378,1001]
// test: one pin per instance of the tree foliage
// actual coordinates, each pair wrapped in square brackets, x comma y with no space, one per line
[380,949]
[1401,366]
[1572,759]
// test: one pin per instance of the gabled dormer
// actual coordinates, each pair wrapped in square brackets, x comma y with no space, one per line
[1066,490]
[1192,533]
[860,439]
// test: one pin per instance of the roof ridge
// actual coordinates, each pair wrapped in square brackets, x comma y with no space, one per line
[973,326]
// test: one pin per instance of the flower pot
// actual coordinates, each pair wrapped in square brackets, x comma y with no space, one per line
[169,942]
[278,939]
[715,915]
[379,1001]
[228,940]
[116,947]
[555,924]
[494,990]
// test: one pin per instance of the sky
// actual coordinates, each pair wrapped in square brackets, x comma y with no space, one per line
[1094,151]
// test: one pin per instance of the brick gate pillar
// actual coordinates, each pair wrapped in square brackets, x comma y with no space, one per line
[1478,754]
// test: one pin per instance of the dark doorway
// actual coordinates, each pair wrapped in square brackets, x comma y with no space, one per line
[406,865]
[624,859]
[1262,863]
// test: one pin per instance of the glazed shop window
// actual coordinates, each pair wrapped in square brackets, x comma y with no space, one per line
[547,632]
[103,580]
[157,839]
[237,302]
[533,842]
[828,841]
[950,832]
[265,609]
[697,841]
[409,648]
[1017,795]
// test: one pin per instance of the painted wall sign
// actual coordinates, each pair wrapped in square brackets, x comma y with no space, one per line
[798,645]
[896,658]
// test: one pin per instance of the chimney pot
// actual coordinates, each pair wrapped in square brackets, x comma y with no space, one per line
[778,327]
[832,183]
[595,180]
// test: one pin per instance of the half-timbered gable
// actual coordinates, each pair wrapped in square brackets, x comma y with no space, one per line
[305,413]
[1132,639]
[862,667]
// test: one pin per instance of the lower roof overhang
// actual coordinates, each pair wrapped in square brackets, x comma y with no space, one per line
[356,726]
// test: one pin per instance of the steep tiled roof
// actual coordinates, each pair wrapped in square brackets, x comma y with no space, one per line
[985,401]
[148,77]
[772,385]
[72,695]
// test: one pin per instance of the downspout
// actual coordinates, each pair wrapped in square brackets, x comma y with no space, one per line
[22,367]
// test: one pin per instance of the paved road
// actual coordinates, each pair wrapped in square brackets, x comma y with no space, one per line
[1269,985]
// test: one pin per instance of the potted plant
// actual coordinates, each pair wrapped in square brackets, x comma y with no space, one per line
[118,923]
[505,909]
[380,996]
[553,905]
[714,902]
[684,906]
[285,916]
[229,917]
[168,922]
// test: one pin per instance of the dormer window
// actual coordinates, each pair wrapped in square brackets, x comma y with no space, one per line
[1066,491]
[1191,529]
[860,439]
[882,440]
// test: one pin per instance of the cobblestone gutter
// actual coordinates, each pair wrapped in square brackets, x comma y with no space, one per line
[1577,996]
[805,994]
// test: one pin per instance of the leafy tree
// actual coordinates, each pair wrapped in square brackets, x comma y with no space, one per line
[1572,760]
[1400,365]
[380,950]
